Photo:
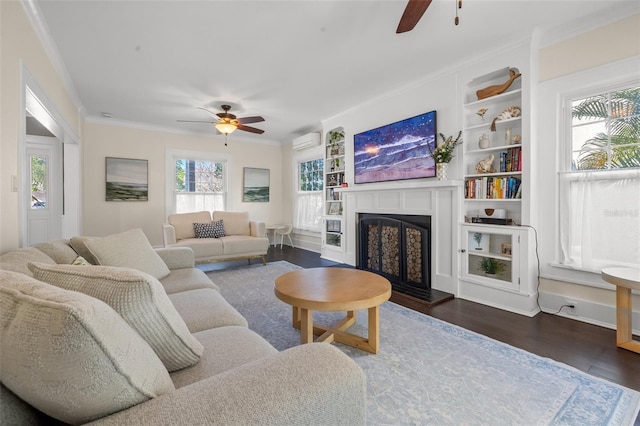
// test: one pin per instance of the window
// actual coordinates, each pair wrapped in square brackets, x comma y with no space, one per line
[606,130]
[600,185]
[308,206]
[39,176]
[199,185]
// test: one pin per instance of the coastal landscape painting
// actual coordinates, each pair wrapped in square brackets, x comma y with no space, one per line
[127,179]
[397,151]
[256,185]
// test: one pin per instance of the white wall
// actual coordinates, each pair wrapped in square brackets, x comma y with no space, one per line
[19,46]
[105,140]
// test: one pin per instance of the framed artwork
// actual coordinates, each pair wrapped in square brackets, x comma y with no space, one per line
[255,187]
[126,179]
[505,249]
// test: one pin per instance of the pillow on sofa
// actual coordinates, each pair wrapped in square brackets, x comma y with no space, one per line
[235,223]
[60,251]
[17,260]
[71,356]
[129,249]
[141,301]
[209,230]
[79,244]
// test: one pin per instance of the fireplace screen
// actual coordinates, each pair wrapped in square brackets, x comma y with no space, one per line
[397,247]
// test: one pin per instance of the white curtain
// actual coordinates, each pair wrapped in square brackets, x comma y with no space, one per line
[308,211]
[186,202]
[600,219]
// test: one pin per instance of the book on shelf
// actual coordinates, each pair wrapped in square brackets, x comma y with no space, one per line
[510,160]
[490,187]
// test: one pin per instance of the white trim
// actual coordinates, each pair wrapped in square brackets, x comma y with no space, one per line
[551,101]
[40,27]
[572,29]
[177,131]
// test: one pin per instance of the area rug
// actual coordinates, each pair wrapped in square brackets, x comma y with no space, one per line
[429,372]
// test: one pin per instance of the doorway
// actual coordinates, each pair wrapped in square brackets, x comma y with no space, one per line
[43,197]
[49,204]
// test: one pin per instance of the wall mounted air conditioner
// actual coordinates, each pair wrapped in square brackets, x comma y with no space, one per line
[306,141]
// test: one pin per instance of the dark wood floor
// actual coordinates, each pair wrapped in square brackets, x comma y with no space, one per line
[586,347]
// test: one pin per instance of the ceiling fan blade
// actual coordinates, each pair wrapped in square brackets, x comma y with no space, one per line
[250,129]
[210,112]
[195,121]
[412,14]
[246,120]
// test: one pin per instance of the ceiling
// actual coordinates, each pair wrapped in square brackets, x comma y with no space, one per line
[295,63]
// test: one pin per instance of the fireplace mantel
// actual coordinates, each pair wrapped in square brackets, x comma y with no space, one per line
[438,199]
[396,186]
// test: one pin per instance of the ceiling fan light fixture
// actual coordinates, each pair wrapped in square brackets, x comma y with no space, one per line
[225,128]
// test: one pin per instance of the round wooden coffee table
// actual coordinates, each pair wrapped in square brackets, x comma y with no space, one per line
[334,289]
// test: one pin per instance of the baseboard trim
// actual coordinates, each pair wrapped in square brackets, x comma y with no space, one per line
[587,311]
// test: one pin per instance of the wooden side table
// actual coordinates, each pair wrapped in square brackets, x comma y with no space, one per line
[334,289]
[625,279]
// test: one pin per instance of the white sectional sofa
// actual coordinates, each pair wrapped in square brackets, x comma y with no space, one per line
[146,338]
[243,238]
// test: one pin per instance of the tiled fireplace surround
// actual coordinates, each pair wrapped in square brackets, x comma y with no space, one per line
[440,200]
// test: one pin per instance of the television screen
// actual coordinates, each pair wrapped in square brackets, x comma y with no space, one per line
[397,151]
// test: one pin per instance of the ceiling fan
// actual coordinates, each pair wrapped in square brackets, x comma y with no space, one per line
[228,123]
[414,11]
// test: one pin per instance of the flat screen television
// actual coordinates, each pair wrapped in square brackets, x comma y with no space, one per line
[397,151]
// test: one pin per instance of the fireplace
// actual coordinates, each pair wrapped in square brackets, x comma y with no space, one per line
[397,247]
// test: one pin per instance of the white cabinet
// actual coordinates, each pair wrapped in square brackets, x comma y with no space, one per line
[513,286]
[334,172]
[497,181]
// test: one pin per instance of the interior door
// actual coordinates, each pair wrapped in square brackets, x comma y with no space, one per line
[43,189]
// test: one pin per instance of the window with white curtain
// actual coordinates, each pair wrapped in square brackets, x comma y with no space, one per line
[600,180]
[199,185]
[308,205]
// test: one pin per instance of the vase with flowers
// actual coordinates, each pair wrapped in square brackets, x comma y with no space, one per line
[443,153]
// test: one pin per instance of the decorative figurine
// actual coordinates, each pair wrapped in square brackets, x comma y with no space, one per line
[486,165]
[498,88]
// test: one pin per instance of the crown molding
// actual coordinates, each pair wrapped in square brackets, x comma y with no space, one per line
[40,27]
[576,28]
[172,130]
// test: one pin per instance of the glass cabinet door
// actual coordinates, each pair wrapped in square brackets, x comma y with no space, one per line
[490,256]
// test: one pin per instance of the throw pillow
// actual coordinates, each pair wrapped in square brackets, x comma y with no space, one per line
[141,301]
[71,356]
[209,230]
[79,260]
[129,249]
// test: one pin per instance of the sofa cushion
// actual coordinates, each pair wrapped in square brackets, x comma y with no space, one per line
[129,249]
[235,223]
[186,279]
[205,308]
[70,355]
[224,348]
[60,251]
[209,229]
[202,247]
[18,260]
[139,299]
[183,223]
[237,244]
[79,244]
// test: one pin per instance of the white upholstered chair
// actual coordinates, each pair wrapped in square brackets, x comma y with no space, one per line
[282,232]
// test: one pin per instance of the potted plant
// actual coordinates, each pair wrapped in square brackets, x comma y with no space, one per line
[491,266]
[443,153]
